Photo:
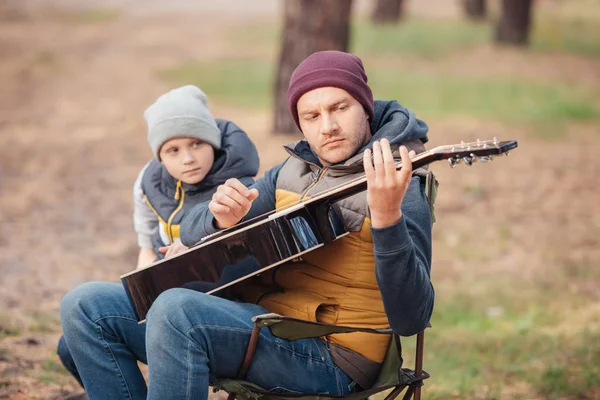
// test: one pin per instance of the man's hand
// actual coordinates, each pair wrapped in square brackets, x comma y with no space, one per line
[231,202]
[386,186]
[174,248]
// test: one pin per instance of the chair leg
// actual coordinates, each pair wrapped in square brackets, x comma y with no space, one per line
[419,362]
[395,393]
[417,393]
[409,393]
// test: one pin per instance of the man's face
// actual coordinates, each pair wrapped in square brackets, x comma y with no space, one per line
[334,123]
[187,159]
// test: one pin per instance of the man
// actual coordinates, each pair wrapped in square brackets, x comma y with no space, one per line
[377,276]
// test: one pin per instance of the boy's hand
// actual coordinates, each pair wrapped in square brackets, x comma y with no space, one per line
[146,257]
[174,248]
[231,202]
[386,186]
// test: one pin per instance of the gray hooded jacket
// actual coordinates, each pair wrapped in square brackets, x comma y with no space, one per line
[159,204]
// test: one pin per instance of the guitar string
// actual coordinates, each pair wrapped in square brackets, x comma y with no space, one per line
[322,193]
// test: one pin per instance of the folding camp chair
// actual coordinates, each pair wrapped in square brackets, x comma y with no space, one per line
[391,376]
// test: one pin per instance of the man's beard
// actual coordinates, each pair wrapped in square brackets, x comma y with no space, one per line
[354,147]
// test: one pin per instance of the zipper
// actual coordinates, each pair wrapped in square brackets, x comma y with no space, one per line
[312,185]
[181,199]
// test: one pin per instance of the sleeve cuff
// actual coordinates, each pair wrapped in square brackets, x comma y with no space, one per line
[392,238]
[145,241]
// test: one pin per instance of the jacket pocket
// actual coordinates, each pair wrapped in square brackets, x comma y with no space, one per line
[297,304]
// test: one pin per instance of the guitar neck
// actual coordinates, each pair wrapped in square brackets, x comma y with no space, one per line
[360,184]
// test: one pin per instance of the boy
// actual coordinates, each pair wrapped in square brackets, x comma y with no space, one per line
[193,155]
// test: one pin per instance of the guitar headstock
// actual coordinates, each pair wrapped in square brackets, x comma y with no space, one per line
[482,151]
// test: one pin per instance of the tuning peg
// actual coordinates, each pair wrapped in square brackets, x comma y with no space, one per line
[468,160]
[485,159]
[452,162]
[507,153]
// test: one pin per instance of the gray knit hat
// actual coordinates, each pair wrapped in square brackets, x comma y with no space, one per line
[182,112]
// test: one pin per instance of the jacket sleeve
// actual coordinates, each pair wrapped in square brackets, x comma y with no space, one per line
[145,221]
[199,222]
[403,264]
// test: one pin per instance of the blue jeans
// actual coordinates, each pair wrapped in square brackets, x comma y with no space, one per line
[189,340]
[67,360]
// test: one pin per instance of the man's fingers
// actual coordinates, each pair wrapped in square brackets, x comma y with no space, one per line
[232,194]
[218,208]
[252,194]
[234,202]
[368,165]
[406,170]
[163,249]
[388,159]
[237,186]
[378,161]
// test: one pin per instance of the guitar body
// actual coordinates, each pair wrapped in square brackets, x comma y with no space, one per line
[230,256]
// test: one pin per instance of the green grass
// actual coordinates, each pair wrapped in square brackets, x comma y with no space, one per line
[9,326]
[435,39]
[81,16]
[574,36]
[52,366]
[508,99]
[44,323]
[51,372]
[546,106]
[238,82]
[248,83]
[416,37]
[491,337]
[5,354]
[92,16]
[470,354]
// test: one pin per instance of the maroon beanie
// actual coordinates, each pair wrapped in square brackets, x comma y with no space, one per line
[330,68]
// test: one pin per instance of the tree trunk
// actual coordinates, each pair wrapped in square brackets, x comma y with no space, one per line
[387,11]
[475,9]
[515,22]
[309,26]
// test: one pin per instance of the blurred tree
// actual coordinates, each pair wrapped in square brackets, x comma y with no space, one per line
[515,22]
[387,11]
[309,26]
[475,9]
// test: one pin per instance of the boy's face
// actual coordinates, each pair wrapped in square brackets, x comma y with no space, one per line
[334,123]
[187,159]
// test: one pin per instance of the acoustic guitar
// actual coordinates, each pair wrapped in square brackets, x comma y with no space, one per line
[231,256]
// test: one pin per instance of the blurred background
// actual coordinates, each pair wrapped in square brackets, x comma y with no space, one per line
[516,243]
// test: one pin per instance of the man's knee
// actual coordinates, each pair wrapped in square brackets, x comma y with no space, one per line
[174,303]
[81,300]
[174,308]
